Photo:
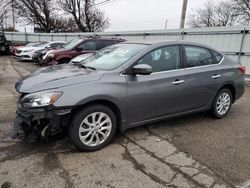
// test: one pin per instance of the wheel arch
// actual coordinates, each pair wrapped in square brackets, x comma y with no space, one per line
[114,107]
[63,57]
[231,87]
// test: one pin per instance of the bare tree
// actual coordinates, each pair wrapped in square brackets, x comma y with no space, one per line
[4,11]
[212,15]
[41,13]
[69,26]
[242,7]
[203,17]
[86,16]
[225,14]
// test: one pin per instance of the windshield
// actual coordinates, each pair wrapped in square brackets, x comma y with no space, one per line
[72,43]
[113,56]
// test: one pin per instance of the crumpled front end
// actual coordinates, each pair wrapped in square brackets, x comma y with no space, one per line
[39,123]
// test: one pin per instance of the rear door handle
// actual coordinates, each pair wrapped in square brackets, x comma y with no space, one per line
[216,76]
[177,82]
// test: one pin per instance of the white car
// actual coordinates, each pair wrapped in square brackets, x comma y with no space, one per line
[26,53]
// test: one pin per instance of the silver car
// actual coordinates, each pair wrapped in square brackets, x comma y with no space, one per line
[80,58]
[123,86]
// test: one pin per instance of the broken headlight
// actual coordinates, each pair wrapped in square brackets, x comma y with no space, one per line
[40,99]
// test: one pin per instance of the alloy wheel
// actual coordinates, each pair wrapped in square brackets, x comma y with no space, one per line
[223,103]
[95,129]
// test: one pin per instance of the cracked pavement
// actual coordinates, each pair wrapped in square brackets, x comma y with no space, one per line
[193,151]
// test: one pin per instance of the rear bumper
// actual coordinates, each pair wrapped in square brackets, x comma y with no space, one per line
[240,89]
[31,124]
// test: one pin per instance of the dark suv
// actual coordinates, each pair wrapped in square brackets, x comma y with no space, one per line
[123,86]
[4,44]
[77,47]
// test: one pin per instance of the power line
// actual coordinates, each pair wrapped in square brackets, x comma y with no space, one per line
[105,2]
[100,2]
[13,15]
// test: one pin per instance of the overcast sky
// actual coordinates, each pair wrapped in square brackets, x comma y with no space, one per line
[130,15]
[146,14]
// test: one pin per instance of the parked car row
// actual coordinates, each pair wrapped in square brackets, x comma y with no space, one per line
[31,51]
[58,52]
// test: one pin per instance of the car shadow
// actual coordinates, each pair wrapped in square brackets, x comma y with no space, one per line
[61,142]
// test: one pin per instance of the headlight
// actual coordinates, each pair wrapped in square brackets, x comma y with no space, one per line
[51,55]
[40,99]
[29,50]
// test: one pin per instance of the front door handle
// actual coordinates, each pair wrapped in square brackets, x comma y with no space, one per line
[177,82]
[216,76]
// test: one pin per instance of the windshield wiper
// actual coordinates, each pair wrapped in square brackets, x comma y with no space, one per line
[87,67]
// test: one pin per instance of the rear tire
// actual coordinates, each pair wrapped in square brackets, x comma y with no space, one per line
[93,128]
[222,103]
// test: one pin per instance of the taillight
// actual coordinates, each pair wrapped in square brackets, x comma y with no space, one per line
[242,69]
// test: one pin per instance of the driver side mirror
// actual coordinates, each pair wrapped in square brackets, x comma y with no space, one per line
[142,69]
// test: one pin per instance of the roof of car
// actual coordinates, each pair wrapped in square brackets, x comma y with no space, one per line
[161,42]
[170,42]
[56,42]
[102,38]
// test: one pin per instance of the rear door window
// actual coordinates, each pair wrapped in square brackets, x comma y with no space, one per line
[104,43]
[198,56]
[53,45]
[89,45]
[57,45]
[217,57]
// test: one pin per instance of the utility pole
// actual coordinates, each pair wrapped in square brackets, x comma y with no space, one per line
[5,21]
[13,15]
[166,24]
[248,18]
[183,13]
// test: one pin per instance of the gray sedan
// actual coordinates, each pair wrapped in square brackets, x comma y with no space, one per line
[123,86]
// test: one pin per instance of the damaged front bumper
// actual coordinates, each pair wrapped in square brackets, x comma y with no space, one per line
[39,123]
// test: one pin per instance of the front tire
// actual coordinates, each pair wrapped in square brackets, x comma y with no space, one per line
[222,103]
[63,61]
[93,128]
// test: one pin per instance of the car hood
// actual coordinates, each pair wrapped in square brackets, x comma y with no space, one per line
[55,77]
[81,57]
[30,48]
[25,48]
